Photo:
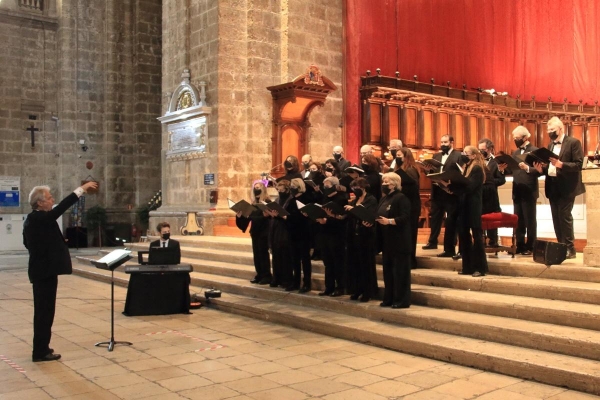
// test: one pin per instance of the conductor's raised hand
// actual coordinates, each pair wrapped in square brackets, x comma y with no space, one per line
[89,185]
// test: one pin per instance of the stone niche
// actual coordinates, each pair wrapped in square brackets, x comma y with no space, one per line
[185,156]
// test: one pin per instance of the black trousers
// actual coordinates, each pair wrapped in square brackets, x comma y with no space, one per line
[444,205]
[472,249]
[301,262]
[396,278]
[44,305]
[260,251]
[525,209]
[562,218]
[414,234]
[332,251]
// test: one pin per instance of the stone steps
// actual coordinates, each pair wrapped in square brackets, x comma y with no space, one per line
[524,322]
[511,327]
[514,347]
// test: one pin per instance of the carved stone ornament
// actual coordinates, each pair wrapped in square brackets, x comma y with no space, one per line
[313,76]
[186,121]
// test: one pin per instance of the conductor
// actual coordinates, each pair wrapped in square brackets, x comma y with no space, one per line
[48,257]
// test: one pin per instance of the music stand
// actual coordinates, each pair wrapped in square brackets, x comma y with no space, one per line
[111,262]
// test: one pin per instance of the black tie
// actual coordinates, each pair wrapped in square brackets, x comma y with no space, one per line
[164,244]
[557,142]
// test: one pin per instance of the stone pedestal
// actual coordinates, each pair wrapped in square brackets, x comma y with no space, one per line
[591,252]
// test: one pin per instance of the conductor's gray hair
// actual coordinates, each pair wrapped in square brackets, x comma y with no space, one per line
[37,194]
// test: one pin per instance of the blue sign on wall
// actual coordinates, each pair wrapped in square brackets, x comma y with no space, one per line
[9,191]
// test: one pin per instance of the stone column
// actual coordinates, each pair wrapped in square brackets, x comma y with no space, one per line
[591,252]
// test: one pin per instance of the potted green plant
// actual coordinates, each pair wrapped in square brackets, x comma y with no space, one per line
[95,220]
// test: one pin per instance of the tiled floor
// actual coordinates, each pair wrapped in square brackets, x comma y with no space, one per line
[214,355]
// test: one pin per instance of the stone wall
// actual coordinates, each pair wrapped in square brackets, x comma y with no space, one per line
[96,66]
[239,48]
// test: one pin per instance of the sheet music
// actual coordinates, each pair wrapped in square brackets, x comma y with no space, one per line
[113,256]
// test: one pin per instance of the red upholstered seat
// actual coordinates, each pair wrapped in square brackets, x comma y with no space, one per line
[499,220]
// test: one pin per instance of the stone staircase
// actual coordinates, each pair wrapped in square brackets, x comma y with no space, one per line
[526,320]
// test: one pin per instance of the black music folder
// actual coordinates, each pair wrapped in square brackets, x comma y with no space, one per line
[273,206]
[362,214]
[243,206]
[453,176]
[541,155]
[313,210]
[311,183]
[335,208]
[431,163]
[510,161]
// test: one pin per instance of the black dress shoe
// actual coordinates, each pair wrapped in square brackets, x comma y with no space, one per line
[304,289]
[254,280]
[446,254]
[429,246]
[526,253]
[364,299]
[385,304]
[325,293]
[400,306]
[457,257]
[571,254]
[292,288]
[354,297]
[463,273]
[337,293]
[477,274]
[47,357]
[274,284]
[264,281]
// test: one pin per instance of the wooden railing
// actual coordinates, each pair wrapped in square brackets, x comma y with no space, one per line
[420,114]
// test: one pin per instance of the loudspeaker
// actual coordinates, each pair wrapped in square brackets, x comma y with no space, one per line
[549,253]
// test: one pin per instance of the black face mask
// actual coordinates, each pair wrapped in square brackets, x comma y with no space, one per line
[257,192]
[328,191]
[394,152]
[329,169]
[337,156]
[445,149]
[365,167]
[305,164]
[385,189]
[464,159]
[553,135]
[358,192]
[294,191]
[166,236]
[519,142]
[484,153]
[284,195]
[288,165]
[399,162]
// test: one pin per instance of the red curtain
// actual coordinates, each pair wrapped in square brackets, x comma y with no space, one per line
[533,47]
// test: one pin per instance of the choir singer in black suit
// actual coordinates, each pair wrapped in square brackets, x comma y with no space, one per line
[48,257]
[444,203]
[493,179]
[394,217]
[405,167]
[563,181]
[472,248]
[360,245]
[259,232]
[525,192]
[164,229]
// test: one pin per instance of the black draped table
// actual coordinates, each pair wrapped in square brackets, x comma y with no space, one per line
[158,293]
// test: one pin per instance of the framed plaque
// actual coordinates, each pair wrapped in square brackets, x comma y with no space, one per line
[188,139]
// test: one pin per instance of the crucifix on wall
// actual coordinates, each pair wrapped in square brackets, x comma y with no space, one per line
[33,130]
